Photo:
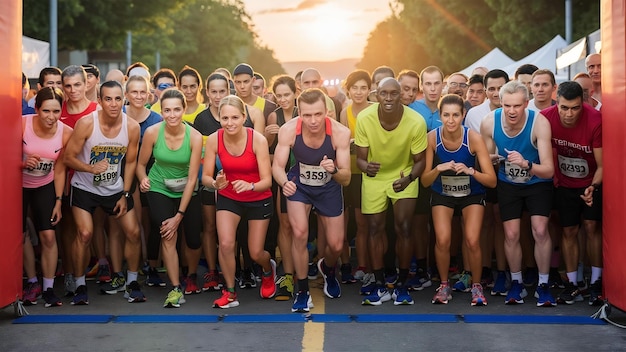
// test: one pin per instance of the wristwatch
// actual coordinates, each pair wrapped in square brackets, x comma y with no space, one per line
[126,194]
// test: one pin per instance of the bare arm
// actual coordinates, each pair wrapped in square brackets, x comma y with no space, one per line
[271,130]
[587,196]
[341,141]
[82,131]
[286,136]
[543,135]
[486,176]
[147,144]
[210,154]
[430,174]
[257,118]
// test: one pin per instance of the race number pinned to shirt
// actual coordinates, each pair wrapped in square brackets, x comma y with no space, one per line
[516,173]
[114,155]
[43,168]
[313,175]
[573,167]
[455,186]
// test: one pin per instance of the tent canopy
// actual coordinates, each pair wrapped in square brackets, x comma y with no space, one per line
[544,57]
[35,56]
[493,59]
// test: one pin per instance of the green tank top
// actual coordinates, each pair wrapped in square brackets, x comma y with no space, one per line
[170,171]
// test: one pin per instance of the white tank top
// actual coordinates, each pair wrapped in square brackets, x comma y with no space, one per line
[98,147]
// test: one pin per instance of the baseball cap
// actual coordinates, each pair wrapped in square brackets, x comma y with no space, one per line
[243,68]
[93,69]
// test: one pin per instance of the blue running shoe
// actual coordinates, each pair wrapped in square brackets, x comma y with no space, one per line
[544,297]
[464,284]
[401,296]
[133,293]
[390,279]
[312,275]
[369,284]
[80,296]
[346,274]
[377,297]
[414,284]
[332,289]
[499,287]
[303,302]
[516,293]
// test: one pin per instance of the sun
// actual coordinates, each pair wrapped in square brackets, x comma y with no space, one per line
[329,29]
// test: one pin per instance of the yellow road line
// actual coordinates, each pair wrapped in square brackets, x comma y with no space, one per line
[313,336]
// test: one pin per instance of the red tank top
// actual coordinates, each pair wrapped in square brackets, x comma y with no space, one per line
[240,167]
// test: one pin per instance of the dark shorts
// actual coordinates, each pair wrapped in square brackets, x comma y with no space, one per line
[207,197]
[572,208]
[422,206]
[327,203]
[89,201]
[535,198]
[456,203]
[257,210]
[41,201]
[163,207]
[352,192]
[491,195]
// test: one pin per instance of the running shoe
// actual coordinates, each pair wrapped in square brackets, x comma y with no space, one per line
[228,300]
[424,278]
[391,278]
[332,289]
[443,295]
[30,294]
[464,284]
[414,284]
[544,297]
[516,293]
[531,277]
[118,284]
[70,285]
[104,274]
[133,293]
[174,298]
[50,299]
[454,272]
[154,279]
[570,294]
[595,293]
[486,277]
[478,297]
[555,280]
[377,297]
[369,284]
[359,273]
[80,296]
[248,280]
[211,281]
[583,288]
[346,274]
[401,296]
[312,275]
[285,288]
[499,286]
[302,303]
[191,284]
[91,272]
[268,283]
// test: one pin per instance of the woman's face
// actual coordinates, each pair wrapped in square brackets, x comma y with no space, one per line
[231,119]
[359,91]
[189,87]
[451,117]
[285,97]
[172,110]
[137,94]
[49,112]
[217,89]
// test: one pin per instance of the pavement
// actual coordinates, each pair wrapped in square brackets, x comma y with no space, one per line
[110,323]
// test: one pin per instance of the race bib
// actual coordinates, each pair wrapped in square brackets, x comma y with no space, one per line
[573,167]
[43,168]
[455,186]
[515,173]
[313,175]
[107,178]
[175,184]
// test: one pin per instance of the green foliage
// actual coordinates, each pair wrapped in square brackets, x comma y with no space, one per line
[454,33]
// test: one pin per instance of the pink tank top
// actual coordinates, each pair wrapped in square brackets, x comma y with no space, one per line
[47,149]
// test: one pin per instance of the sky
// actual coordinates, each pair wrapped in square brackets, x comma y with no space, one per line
[316,30]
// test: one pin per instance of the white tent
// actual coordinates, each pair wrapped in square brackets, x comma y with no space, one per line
[543,58]
[35,56]
[493,59]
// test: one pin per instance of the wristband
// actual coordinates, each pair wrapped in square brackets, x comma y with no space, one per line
[126,194]
[180,212]
[595,186]
[58,198]
[336,170]
[252,186]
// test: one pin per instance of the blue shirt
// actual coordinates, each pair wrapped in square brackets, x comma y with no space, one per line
[431,117]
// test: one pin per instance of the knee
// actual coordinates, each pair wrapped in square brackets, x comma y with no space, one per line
[472,244]
[227,246]
[83,236]
[48,239]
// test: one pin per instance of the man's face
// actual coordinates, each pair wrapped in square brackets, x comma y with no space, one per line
[457,85]
[377,78]
[526,80]
[569,110]
[243,84]
[111,101]
[513,106]
[388,95]
[258,87]
[313,116]
[432,85]
[542,88]
[52,81]
[74,88]
[409,86]
[92,81]
[594,68]
[587,86]
[476,94]
[493,90]
[310,79]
